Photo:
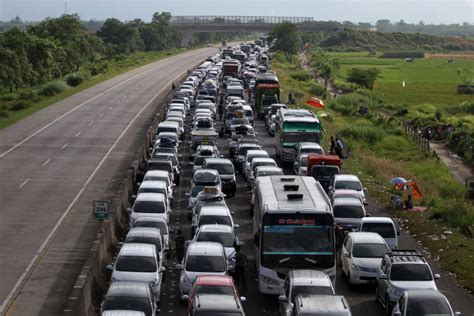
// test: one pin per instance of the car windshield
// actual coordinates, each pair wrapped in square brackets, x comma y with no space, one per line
[161,165]
[148,207]
[152,190]
[433,307]
[317,290]
[369,250]
[386,230]
[155,178]
[214,289]
[324,171]
[348,211]
[199,160]
[206,178]
[226,239]
[239,121]
[135,264]
[304,161]
[215,219]
[141,304]
[205,264]
[410,272]
[160,225]
[204,313]
[222,168]
[292,137]
[243,150]
[349,185]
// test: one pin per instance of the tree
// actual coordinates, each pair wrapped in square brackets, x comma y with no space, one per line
[325,71]
[363,77]
[121,39]
[286,38]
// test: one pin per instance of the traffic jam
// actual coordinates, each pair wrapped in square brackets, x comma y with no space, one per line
[240,204]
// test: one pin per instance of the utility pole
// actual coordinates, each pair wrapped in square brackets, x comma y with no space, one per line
[65,7]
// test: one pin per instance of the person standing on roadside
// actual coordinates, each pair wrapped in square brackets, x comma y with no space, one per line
[332,150]
[179,246]
[339,148]
[240,262]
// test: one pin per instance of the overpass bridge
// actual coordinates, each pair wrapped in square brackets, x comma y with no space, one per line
[188,25]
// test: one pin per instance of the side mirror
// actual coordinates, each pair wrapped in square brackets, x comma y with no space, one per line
[457,313]
[134,196]
[437,276]
[162,269]
[222,156]
[347,254]
[282,298]
[129,210]
[398,233]
[232,213]
[171,231]
[368,214]
[110,267]
[179,266]
[243,299]
[188,195]
[138,184]
[397,313]
[185,297]
[236,226]
[383,276]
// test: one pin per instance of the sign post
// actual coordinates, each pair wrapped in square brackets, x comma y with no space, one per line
[100,209]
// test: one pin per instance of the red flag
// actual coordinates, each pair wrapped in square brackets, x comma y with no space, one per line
[316,103]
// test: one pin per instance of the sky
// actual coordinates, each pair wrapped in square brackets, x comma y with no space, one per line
[428,11]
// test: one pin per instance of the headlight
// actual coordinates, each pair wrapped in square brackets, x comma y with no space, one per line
[268,280]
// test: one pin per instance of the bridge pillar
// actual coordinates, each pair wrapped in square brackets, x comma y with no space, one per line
[186,37]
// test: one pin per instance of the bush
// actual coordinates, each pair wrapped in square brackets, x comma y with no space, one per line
[4,113]
[316,89]
[74,79]
[21,105]
[368,134]
[52,88]
[301,75]
[456,212]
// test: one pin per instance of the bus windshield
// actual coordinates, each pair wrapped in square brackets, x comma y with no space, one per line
[293,240]
[298,137]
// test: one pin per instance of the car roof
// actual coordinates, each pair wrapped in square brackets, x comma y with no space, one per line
[346,177]
[352,201]
[377,220]
[205,248]
[222,280]
[263,159]
[218,160]
[222,210]
[157,173]
[309,277]
[137,250]
[257,151]
[153,184]
[122,313]
[157,197]
[366,237]
[168,123]
[321,303]
[128,288]
[268,168]
[310,144]
[144,232]
[210,302]
[424,293]
[150,219]
[216,228]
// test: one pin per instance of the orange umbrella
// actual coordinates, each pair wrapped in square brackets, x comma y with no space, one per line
[316,103]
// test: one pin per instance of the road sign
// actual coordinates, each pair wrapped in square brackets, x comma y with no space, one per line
[100,210]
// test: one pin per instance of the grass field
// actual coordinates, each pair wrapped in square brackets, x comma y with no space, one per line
[427,80]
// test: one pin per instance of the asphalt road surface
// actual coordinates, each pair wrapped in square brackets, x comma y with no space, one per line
[361,298]
[53,164]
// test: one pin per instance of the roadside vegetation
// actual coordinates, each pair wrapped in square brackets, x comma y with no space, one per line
[378,150]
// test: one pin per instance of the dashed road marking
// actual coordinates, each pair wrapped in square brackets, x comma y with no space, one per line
[23,184]
[78,133]
[64,146]
[46,162]
[101,114]
[91,122]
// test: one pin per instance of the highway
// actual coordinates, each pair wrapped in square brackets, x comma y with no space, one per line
[53,164]
[361,298]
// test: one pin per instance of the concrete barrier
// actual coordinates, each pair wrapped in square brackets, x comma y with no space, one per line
[91,285]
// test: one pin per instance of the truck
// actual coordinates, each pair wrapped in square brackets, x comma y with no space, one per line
[323,167]
[231,68]
[224,44]
[267,92]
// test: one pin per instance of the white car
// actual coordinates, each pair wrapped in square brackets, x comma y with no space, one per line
[348,212]
[202,258]
[150,204]
[384,226]
[361,256]
[139,263]
[347,182]
[155,222]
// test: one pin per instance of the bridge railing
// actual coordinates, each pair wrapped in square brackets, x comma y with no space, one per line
[213,19]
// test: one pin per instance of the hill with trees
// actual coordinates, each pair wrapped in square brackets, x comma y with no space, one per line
[366,40]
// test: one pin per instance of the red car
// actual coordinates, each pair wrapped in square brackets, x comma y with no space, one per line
[214,284]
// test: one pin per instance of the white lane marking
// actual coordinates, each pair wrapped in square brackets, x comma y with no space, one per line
[76,108]
[46,162]
[64,146]
[101,114]
[124,97]
[78,133]
[23,184]
[91,122]
[53,232]
[111,107]
[138,88]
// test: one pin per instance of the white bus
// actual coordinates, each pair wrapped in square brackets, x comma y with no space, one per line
[293,228]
